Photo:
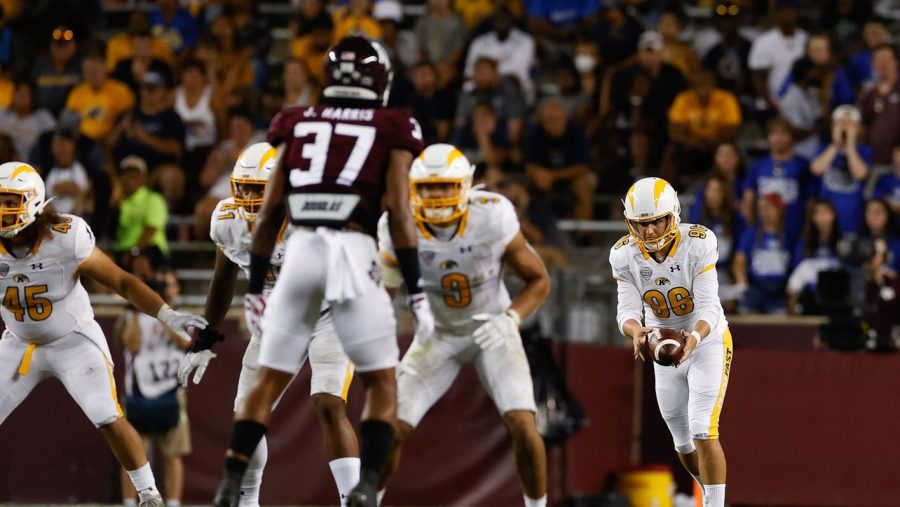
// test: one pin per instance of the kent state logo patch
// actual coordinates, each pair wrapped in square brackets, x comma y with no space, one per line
[646,273]
[20,278]
[661,281]
[448,264]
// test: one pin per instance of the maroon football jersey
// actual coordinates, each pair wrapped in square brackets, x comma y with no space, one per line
[336,161]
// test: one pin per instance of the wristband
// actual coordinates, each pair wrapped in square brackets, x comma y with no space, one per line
[408,259]
[258,267]
[514,315]
[206,338]
[696,335]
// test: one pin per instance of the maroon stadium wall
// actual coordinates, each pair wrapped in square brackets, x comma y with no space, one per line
[799,427]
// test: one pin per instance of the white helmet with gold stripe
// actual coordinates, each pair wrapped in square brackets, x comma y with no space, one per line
[440,164]
[249,177]
[648,200]
[22,181]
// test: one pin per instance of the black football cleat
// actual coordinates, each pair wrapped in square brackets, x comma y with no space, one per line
[229,492]
[363,495]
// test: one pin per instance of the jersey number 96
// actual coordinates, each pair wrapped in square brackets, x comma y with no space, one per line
[678,301]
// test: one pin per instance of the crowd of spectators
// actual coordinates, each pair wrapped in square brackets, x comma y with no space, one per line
[777,121]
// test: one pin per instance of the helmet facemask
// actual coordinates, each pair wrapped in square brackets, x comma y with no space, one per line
[248,196]
[660,242]
[19,214]
[444,209]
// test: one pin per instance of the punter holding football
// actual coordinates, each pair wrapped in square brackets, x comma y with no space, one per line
[666,274]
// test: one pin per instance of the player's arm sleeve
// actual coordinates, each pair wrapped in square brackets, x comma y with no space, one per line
[706,282]
[84,240]
[628,300]
[390,267]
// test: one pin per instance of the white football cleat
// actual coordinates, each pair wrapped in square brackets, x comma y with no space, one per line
[151,500]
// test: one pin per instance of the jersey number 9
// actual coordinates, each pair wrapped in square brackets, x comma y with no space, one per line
[678,301]
[459,294]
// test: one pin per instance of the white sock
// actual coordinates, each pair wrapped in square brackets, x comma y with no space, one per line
[129,502]
[346,475]
[173,503]
[715,495]
[143,480]
[536,502]
[252,480]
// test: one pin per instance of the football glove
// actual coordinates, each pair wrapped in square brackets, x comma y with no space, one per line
[180,322]
[421,309]
[254,306]
[498,330]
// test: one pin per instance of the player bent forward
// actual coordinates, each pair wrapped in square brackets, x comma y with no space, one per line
[666,275]
[465,238]
[50,326]
[332,372]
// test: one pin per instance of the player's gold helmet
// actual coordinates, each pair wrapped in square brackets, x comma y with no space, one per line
[647,200]
[24,182]
[440,164]
[249,177]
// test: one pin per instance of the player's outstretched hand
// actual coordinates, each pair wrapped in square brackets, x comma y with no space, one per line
[180,322]
[496,331]
[690,342]
[191,361]
[638,341]
[421,309]
[254,306]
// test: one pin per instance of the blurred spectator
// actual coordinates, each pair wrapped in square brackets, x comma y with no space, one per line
[68,182]
[774,52]
[844,166]
[140,240]
[119,46]
[587,64]
[217,170]
[887,186]
[874,34]
[675,52]
[155,133]
[881,105]
[503,95]
[557,162]
[175,25]
[312,47]
[430,104]
[639,99]
[844,18]
[131,70]
[801,105]
[236,58]
[537,220]
[195,105]
[441,36]
[308,11]
[512,48]
[99,100]
[400,44]
[561,81]
[762,260]
[836,86]
[472,12]
[816,252]
[57,72]
[7,149]
[781,172]
[252,31]
[728,163]
[880,224]
[700,118]
[155,404]
[617,35]
[717,210]
[355,18]
[484,139]
[7,87]
[728,59]
[299,89]
[22,121]
[554,22]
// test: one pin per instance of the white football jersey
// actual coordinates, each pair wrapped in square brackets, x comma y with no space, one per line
[232,235]
[43,298]
[155,366]
[664,291]
[463,276]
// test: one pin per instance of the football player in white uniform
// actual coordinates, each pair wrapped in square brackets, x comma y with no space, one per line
[666,276]
[50,326]
[332,371]
[465,239]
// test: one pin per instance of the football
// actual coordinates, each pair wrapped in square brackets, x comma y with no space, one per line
[665,346]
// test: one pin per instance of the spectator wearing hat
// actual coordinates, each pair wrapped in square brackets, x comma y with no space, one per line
[441,36]
[175,25]
[57,72]
[488,86]
[23,121]
[512,48]
[762,261]
[880,105]
[431,105]
[312,47]
[640,95]
[557,162]
[700,119]
[401,44]
[119,46]
[844,165]
[155,133]
[773,53]
[131,70]
[781,172]
[140,239]
[99,100]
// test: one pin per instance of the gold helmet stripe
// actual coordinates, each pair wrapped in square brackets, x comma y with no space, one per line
[658,186]
[453,155]
[631,194]
[268,155]
[24,168]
